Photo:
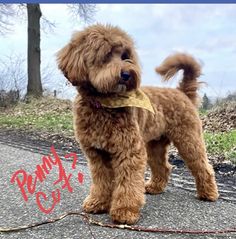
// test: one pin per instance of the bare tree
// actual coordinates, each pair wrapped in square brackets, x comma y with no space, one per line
[8,12]
[13,79]
[34,87]
[12,73]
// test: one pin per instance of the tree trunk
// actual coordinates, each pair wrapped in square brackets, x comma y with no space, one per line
[34,87]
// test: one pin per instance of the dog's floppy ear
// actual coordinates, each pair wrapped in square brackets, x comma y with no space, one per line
[70,60]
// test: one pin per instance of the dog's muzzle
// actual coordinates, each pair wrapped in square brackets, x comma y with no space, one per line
[127,80]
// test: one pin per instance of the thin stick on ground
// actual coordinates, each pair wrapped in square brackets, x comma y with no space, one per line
[91,221]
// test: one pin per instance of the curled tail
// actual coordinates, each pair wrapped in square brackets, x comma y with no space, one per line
[192,70]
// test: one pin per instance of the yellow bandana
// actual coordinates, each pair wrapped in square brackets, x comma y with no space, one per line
[135,98]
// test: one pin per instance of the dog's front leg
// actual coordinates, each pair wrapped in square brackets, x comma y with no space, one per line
[128,195]
[99,198]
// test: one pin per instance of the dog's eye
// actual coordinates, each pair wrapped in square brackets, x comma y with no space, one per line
[124,56]
[107,57]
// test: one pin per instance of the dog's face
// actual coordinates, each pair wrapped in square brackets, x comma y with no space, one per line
[102,57]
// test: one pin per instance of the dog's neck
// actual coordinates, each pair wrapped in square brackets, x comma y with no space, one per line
[87,91]
[90,96]
[136,98]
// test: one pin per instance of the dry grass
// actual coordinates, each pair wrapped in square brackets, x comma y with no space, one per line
[46,114]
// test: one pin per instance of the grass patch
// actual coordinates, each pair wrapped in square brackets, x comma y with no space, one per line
[46,114]
[55,116]
[203,112]
[222,144]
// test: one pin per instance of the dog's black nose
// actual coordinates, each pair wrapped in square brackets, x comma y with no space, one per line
[125,75]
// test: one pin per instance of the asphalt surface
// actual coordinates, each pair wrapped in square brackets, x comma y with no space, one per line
[177,208]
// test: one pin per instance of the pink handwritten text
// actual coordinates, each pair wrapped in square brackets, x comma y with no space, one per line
[27,183]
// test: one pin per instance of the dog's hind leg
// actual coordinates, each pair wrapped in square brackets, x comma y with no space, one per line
[99,199]
[190,144]
[160,167]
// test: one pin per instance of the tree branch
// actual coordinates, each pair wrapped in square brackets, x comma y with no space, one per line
[85,12]
[12,73]
[7,12]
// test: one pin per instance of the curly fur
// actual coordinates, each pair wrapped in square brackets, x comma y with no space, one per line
[118,143]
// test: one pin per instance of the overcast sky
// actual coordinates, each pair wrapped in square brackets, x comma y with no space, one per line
[208,32]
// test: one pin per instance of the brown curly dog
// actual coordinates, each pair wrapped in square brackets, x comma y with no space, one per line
[101,62]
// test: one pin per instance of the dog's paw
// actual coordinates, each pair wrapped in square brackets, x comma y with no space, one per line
[93,205]
[208,191]
[153,188]
[124,216]
[209,196]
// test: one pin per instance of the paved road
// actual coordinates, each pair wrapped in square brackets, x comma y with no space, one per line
[176,208]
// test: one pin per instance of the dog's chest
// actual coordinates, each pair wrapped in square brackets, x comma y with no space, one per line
[102,129]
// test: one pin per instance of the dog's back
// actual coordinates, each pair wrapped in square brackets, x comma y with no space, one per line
[172,107]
